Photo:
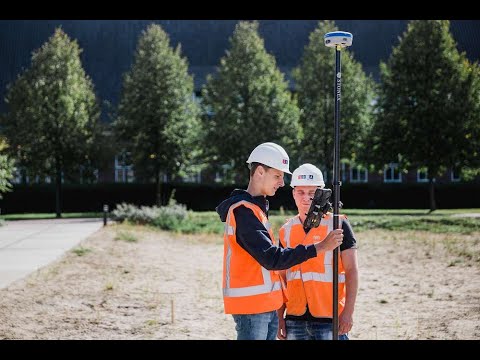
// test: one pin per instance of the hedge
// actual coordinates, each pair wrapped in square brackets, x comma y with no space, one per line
[39,198]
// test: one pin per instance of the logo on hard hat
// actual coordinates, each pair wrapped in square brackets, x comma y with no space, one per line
[310,177]
[285,161]
[302,176]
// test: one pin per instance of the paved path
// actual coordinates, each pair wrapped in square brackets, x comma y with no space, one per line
[26,245]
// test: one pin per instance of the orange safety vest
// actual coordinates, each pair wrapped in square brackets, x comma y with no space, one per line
[248,288]
[311,282]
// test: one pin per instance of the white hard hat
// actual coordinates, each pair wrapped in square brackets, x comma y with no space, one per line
[307,175]
[272,155]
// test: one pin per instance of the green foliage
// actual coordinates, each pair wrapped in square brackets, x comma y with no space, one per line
[157,114]
[429,106]
[247,102]
[314,79]
[7,169]
[168,217]
[80,251]
[137,215]
[436,224]
[202,223]
[52,115]
[126,236]
[361,220]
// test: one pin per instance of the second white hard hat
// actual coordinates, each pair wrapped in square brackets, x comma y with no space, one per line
[307,175]
[272,155]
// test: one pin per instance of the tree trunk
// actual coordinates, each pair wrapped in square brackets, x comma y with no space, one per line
[159,188]
[58,191]
[166,194]
[431,190]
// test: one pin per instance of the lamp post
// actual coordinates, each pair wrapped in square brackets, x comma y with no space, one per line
[105,212]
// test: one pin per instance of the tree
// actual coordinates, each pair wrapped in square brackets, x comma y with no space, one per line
[157,115]
[314,79]
[247,103]
[52,117]
[429,104]
[6,169]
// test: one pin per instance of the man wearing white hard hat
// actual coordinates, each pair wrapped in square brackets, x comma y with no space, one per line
[307,314]
[252,288]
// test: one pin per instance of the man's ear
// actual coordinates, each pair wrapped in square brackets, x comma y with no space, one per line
[260,170]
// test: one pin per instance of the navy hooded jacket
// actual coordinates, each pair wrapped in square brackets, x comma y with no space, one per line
[255,239]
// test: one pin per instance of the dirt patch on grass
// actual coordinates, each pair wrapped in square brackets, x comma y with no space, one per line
[134,283]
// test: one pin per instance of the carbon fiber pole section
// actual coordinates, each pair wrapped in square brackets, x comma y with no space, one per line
[336,185]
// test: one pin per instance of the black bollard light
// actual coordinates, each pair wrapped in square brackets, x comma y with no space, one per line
[105,212]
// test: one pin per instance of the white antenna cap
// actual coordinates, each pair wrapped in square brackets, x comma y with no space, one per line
[338,38]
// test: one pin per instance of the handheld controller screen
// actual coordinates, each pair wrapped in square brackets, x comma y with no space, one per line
[319,207]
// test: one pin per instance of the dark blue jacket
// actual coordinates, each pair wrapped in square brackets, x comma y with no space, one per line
[255,239]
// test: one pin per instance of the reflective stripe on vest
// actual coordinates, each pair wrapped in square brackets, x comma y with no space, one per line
[268,294]
[326,276]
[311,282]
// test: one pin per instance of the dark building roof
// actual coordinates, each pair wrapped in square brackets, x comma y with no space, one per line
[108,45]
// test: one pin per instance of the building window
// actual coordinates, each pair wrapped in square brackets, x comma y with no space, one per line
[123,168]
[20,174]
[392,174]
[193,177]
[199,100]
[86,179]
[343,172]
[221,176]
[325,175]
[17,176]
[358,174]
[44,179]
[422,175]
[455,174]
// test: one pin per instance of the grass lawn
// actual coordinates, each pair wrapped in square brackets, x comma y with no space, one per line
[439,221]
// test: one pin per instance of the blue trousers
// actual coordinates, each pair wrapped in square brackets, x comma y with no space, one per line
[310,330]
[262,326]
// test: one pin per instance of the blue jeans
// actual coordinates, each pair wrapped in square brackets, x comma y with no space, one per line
[310,330]
[262,326]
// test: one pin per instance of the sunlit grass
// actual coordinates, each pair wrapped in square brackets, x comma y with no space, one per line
[126,236]
[80,251]
[433,223]
[440,221]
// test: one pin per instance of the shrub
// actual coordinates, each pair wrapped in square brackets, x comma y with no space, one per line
[167,217]
[170,217]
